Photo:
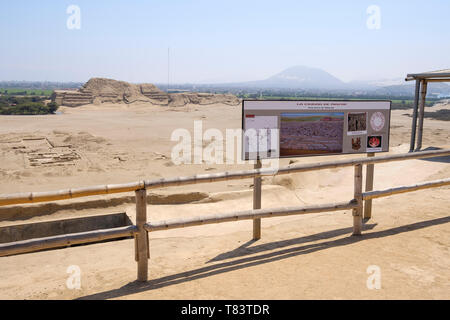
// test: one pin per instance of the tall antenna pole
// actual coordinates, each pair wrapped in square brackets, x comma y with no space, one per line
[168,67]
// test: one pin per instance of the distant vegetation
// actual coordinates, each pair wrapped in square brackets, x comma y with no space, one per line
[26,92]
[39,85]
[13,105]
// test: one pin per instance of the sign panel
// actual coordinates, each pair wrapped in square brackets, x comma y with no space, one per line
[298,128]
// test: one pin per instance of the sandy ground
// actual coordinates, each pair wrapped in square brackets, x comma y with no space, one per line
[302,257]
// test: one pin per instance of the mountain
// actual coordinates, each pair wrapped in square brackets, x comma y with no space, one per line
[307,80]
[302,77]
[298,77]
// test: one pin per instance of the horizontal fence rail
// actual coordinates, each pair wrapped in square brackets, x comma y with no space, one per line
[64,240]
[33,197]
[245,174]
[247,215]
[404,189]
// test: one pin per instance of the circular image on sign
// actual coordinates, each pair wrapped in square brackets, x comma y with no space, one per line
[377,121]
[374,142]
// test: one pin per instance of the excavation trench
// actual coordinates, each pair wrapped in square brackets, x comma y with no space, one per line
[26,231]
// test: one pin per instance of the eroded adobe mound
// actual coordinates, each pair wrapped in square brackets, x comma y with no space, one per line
[101,90]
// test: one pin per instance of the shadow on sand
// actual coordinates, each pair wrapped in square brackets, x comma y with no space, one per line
[245,262]
[443,159]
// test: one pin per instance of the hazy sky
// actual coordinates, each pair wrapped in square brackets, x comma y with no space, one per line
[215,41]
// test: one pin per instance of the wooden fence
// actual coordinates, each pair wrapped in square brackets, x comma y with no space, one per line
[142,228]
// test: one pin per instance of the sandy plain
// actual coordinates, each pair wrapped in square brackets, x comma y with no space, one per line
[302,257]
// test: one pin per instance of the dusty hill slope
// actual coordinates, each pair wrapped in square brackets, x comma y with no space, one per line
[100,90]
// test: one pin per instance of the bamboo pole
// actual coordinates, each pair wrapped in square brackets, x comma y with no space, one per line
[414,119]
[423,95]
[34,197]
[436,75]
[32,245]
[404,189]
[245,174]
[257,202]
[369,187]
[357,212]
[142,240]
[439,80]
[247,215]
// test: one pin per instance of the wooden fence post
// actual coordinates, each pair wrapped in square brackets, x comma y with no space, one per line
[141,241]
[369,187]
[357,213]
[257,202]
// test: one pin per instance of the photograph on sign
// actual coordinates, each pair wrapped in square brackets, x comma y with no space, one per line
[357,123]
[311,133]
[296,128]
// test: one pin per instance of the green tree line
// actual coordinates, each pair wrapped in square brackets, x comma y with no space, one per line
[10,105]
